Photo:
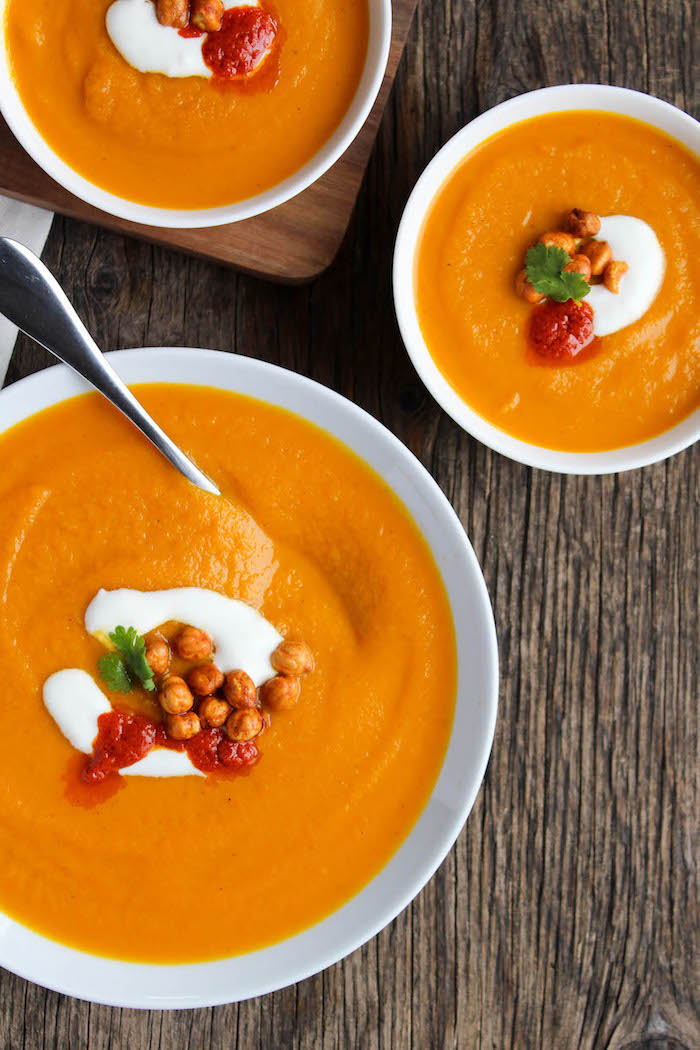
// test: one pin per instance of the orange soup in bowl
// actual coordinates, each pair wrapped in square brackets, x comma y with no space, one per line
[186,105]
[557,281]
[269,675]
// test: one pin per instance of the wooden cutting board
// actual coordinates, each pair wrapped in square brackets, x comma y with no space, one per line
[293,243]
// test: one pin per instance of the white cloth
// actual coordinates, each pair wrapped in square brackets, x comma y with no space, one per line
[30,226]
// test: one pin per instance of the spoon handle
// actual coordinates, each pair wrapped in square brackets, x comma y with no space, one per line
[32,298]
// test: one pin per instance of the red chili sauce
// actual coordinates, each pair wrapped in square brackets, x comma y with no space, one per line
[244,40]
[213,752]
[190,31]
[559,332]
[123,739]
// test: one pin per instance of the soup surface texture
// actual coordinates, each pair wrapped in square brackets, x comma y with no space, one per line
[640,380]
[185,143]
[188,868]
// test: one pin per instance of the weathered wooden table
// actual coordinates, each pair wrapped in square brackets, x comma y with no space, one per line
[567,914]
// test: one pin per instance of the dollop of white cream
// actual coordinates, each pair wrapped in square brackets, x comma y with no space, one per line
[632,241]
[148,46]
[75,702]
[243,639]
[162,762]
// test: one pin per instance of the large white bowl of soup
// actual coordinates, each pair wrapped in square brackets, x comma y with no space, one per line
[210,866]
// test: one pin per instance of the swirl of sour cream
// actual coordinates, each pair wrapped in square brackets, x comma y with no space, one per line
[633,241]
[148,46]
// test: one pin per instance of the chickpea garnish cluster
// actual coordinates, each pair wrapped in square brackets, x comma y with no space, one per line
[204,697]
[588,256]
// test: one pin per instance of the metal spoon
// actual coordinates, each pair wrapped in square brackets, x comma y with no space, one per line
[32,298]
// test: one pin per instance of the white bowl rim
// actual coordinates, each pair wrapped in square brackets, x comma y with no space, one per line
[182,986]
[643,107]
[31,140]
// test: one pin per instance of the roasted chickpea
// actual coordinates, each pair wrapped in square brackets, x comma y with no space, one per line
[205,679]
[175,696]
[193,644]
[184,726]
[280,693]
[599,253]
[213,712]
[207,15]
[559,239]
[614,272]
[583,223]
[244,725]
[240,691]
[173,13]
[525,289]
[158,656]
[292,658]
[579,264]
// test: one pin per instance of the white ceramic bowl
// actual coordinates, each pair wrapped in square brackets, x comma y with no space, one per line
[24,130]
[202,984]
[548,100]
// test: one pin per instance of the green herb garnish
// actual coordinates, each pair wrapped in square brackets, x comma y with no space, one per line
[545,271]
[128,666]
[114,673]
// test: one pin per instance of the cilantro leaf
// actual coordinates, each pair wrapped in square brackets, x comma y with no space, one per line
[544,267]
[133,650]
[114,674]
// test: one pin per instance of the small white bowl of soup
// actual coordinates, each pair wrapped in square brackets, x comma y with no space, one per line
[173,891]
[161,127]
[510,179]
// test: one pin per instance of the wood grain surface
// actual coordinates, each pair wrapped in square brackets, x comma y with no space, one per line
[566,916]
[294,242]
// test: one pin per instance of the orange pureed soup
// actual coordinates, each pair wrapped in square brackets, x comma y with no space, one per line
[640,380]
[188,868]
[189,142]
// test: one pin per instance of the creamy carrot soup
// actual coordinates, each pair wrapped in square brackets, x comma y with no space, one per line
[139,100]
[602,213]
[125,595]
